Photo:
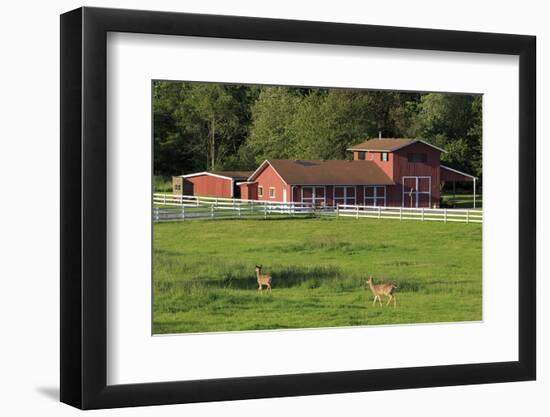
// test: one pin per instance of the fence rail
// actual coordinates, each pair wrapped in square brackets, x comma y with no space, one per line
[190,200]
[221,212]
[404,213]
[181,207]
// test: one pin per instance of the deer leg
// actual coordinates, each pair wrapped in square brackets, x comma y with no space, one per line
[394,302]
[389,299]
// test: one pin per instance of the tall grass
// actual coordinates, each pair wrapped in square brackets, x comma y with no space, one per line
[162,184]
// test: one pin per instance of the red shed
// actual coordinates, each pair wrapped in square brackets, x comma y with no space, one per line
[210,184]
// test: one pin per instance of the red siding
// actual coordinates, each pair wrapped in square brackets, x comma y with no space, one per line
[249,191]
[448,175]
[208,185]
[269,178]
[402,167]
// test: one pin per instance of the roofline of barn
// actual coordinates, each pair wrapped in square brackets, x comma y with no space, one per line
[457,171]
[196,174]
[259,169]
[399,147]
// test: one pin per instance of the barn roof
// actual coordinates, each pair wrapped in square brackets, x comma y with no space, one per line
[389,144]
[235,175]
[326,172]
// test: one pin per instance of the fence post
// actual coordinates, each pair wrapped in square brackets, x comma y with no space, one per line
[164,199]
[239,210]
[467,216]
[379,212]
[356,212]
[337,211]
[183,213]
[212,211]
[422,213]
[265,211]
[445,214]
[155,214]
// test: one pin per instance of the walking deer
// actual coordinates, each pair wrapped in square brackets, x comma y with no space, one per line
[262,279]
[385,288]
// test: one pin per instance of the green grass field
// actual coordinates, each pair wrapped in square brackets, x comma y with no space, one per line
[462,200]
[204,276]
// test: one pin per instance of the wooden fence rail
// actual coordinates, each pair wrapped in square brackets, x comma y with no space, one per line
[180,207]
[404,213]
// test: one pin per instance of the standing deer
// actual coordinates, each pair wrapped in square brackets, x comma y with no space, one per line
[382,289]
[262,279]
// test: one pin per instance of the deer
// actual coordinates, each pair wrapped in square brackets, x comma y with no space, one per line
[262,279]
[385,288]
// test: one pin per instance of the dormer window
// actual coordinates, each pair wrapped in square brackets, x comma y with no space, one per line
[384,156]
[417,157]
[361,155]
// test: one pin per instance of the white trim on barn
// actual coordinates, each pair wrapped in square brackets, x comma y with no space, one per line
[416,192]
[196,174]
[258,170]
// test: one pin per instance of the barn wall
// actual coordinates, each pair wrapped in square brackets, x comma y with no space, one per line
[210,186]
[402,167]
[269,178]
[249,191]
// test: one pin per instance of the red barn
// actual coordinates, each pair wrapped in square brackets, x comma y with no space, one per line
[210,184]
[383,172]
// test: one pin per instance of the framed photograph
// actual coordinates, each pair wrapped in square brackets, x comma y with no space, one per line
[257,208]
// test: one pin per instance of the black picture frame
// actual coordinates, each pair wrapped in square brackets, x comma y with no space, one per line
[84,207]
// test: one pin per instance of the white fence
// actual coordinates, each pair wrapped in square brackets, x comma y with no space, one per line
[177,207]
[183,207]
[195,201]
[404,213]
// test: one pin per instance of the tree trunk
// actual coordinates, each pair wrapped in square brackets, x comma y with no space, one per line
[213,144]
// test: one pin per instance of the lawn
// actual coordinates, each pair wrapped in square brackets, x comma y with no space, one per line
[462,200]
[204,277]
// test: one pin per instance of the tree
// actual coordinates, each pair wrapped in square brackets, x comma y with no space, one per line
[216,110]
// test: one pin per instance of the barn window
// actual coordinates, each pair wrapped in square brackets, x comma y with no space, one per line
[344,195]
[271,192]
[361,155]
[384,156]
[417,157]
[375,195]
[260,191]
[178,187]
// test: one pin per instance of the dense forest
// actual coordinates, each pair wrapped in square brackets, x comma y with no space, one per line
[208,126]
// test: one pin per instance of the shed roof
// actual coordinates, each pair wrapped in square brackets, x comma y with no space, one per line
[388,144]
[235,175]
[326,172]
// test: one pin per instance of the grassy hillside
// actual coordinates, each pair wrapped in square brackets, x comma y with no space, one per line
[204,276]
